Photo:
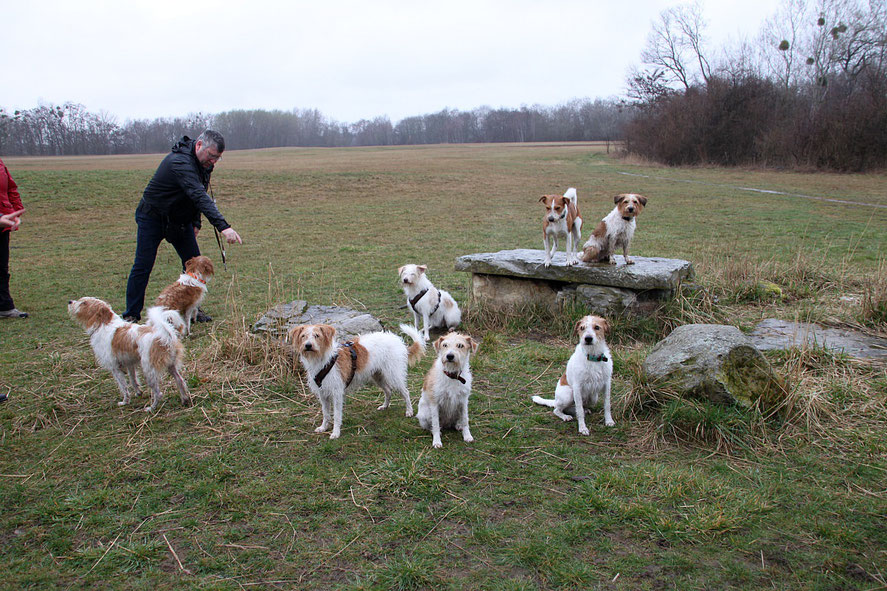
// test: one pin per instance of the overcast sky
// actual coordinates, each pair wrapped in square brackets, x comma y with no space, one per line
[348,59]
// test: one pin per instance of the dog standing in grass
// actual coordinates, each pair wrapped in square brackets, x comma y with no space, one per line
[588,376]
[337,369]
[436,307]
[561,219]
[121,347]
[186,294]
[447,386]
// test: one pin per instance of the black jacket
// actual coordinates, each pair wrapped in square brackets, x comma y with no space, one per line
[177,192]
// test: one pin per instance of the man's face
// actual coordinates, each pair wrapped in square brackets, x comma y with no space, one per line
[206,155]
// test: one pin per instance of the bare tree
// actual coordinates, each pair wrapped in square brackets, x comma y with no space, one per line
[675,46]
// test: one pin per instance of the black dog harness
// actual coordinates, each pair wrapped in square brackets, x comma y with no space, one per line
[319,377]
[419,296]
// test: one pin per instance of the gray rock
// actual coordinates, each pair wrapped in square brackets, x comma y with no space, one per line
[348,323]
[606,301]
[646,273]
[773,333]
[500,293]
[713,362]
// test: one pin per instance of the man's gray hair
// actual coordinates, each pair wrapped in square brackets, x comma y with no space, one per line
[212,139]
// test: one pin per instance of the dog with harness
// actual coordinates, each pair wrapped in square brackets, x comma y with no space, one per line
[436,307]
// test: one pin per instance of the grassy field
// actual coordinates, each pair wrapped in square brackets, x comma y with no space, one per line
[237,492]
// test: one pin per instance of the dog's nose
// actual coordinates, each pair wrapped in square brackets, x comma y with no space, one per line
[589,340]
[450,356]
[630,209]
[70,302]
[551,218]
[308,346]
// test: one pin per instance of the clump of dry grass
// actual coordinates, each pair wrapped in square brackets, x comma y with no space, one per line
[874,299]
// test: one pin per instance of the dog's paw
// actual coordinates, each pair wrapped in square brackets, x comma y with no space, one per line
[583,431]
[148,409]
[437,444]
[628,261]
[121,403]
[334,435]
[546,264]
[610,423]
[409,411]
[566,418]
[187,401]
[382,407]
[320,429]
[467,438]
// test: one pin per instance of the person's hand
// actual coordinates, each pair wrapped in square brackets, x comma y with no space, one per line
[196,231]
[231,236]
[11,220]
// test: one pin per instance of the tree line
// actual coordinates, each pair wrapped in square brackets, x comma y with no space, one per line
[70,129]
[809,91]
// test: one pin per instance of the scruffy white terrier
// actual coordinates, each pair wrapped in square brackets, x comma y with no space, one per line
[436,307]
[121,347]
[588,376]
[447,386]
[336,369]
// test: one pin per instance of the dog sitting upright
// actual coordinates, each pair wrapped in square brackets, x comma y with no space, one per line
[121,347]
[588,376]
[334,370]
[447,386]
[614,231]
[186,294]
[561,219]
[436,306]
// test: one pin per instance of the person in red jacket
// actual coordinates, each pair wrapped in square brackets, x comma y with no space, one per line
[10,217]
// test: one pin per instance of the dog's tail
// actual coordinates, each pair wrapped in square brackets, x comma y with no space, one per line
[417,349]
[571,195]
[166,322]
[543,401]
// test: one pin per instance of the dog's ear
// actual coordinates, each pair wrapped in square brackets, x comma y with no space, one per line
[294,334]
[605,326]
[190,264]
[618,198]
[576,326]
[422,268]
[542,199]
[400,270]
[328,332]
[643,200]
[208,268]
[437,343]
[473,344]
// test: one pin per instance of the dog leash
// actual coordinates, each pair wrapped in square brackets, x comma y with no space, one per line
[216,230]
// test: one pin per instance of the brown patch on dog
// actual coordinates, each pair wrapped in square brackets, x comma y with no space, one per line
[428,384]
[159,355]
[179,297]
[344,360]
[448,303]
[122,342]
[93,313]
[560,203]
[593,253]
[563,380]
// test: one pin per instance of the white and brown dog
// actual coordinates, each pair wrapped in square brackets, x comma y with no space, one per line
[186,294]
[447,386]
[561,219]
[121,347]
[436,307]
[588,376]
[336,369]
[614,231]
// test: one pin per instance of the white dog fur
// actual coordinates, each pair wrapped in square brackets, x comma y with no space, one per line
[121,347]
[561,219]
[436,307]
[447,386]
[588,376]
[335,370]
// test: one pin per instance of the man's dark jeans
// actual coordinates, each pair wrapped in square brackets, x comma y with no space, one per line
[6,302]
[151,232]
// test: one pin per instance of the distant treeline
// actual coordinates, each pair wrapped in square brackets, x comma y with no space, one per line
[69,129]
[810,91]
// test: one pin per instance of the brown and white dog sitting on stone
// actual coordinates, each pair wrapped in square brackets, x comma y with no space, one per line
[336,369]
[614,231]
[561,219]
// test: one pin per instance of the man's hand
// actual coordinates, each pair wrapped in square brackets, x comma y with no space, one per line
[231,236]
[11,220]
[196,231]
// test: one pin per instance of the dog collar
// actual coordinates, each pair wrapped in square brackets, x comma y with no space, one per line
[454,376]
[419,296]
[600,357]
[627,219]
[193,276]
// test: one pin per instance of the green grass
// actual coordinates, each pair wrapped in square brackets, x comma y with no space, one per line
[237,492]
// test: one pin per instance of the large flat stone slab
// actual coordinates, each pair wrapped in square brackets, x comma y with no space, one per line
[773,333]
[349,323]
[646,273]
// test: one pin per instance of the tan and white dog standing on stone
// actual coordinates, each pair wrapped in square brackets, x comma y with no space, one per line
[561,219]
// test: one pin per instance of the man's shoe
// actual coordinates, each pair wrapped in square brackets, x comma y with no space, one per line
[14,313]
[132,319]
[202,316]
[3,397]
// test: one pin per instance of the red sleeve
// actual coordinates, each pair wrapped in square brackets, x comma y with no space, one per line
[12,190]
